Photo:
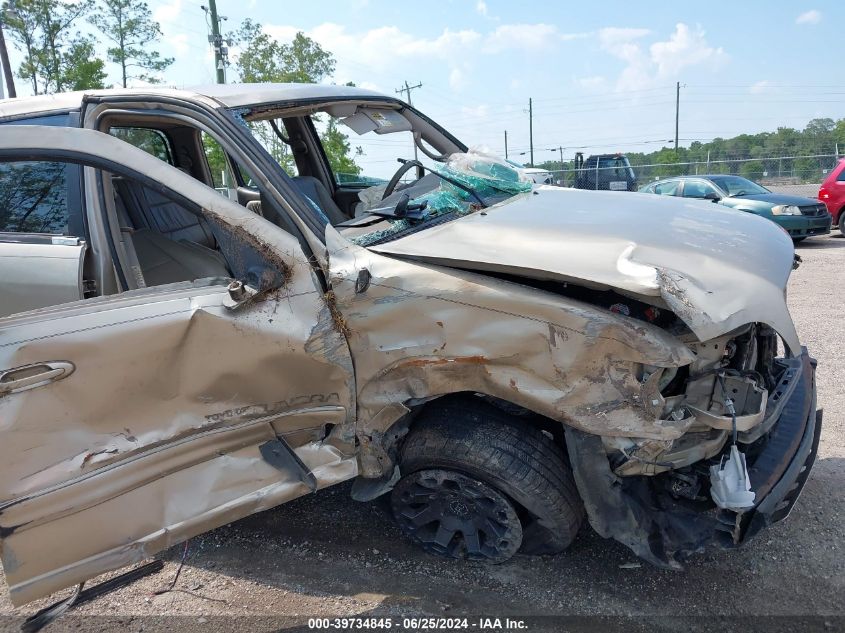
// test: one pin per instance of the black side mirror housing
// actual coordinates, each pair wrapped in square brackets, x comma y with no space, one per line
[712,196]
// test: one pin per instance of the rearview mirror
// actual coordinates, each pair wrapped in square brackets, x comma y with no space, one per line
[712,196]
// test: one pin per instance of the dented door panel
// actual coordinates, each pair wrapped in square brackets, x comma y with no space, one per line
[155,436]
[185,409]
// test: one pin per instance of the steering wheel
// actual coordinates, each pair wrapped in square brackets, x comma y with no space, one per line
[404,169]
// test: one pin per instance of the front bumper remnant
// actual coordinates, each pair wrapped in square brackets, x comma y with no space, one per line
[663,530]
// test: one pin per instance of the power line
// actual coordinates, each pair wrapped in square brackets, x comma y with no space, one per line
[407,90]
[221,53]
[531,128]
[677,110]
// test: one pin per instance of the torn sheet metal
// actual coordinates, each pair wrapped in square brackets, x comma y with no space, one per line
[717,269]
[421,331]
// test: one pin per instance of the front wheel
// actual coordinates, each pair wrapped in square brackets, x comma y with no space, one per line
[842,221]
[482,485]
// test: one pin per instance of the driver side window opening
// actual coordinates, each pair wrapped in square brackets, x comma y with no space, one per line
[162,238]
[201,155]
[222,175]
[164,241]
[339,151]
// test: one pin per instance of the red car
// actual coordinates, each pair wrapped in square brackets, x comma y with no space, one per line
[832,193]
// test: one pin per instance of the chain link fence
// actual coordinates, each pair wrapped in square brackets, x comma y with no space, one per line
[797,175]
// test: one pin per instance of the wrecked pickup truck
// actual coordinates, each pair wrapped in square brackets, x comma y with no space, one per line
[501,358]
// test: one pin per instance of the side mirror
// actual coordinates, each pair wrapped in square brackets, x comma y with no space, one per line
[712,196]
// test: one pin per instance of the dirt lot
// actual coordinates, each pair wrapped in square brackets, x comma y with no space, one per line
[326,555]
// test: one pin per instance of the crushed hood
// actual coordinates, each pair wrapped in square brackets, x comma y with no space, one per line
[715,267]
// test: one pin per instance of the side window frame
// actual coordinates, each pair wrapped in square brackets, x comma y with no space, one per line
[234,175]
[77,224]
[168,142]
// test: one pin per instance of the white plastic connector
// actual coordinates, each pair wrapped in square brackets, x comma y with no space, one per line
[730,485]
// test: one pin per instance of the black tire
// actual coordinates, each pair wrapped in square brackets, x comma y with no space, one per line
[798,240]
[842,221]
[470,436]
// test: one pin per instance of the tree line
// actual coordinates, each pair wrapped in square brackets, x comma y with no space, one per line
[801,154]
[59,56]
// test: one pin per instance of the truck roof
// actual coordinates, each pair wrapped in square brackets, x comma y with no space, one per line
[226,95]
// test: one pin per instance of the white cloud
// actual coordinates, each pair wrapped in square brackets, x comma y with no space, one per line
[663,59]
[809,17]
[591,83]
[527,37]
[481,7]
[759,87]
[382,48]
[478,112]
[611,36]
[456,79]
[168,13]
[624,44]
[179,43]
[389,49]
[369,85]
[685,47]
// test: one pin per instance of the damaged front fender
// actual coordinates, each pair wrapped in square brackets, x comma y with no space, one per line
[419,331]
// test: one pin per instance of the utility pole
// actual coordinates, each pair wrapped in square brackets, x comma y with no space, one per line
[506,144]
[677,106]
[4,62]
[407,90]
[531,128]
[560,149]
[221,53]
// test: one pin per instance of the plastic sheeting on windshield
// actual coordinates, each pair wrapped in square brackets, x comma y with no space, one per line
[487,175]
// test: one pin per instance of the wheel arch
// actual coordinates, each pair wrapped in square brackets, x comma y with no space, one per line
[384,447]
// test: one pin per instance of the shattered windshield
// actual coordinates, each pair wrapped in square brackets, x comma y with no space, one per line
[464,183]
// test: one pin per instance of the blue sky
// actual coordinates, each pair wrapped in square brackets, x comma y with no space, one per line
[602,74]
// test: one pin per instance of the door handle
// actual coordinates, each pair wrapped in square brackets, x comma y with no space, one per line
[35,375]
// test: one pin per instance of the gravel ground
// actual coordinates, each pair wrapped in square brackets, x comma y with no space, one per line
[325,555]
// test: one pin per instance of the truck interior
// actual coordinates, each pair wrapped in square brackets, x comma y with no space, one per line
[170,243]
